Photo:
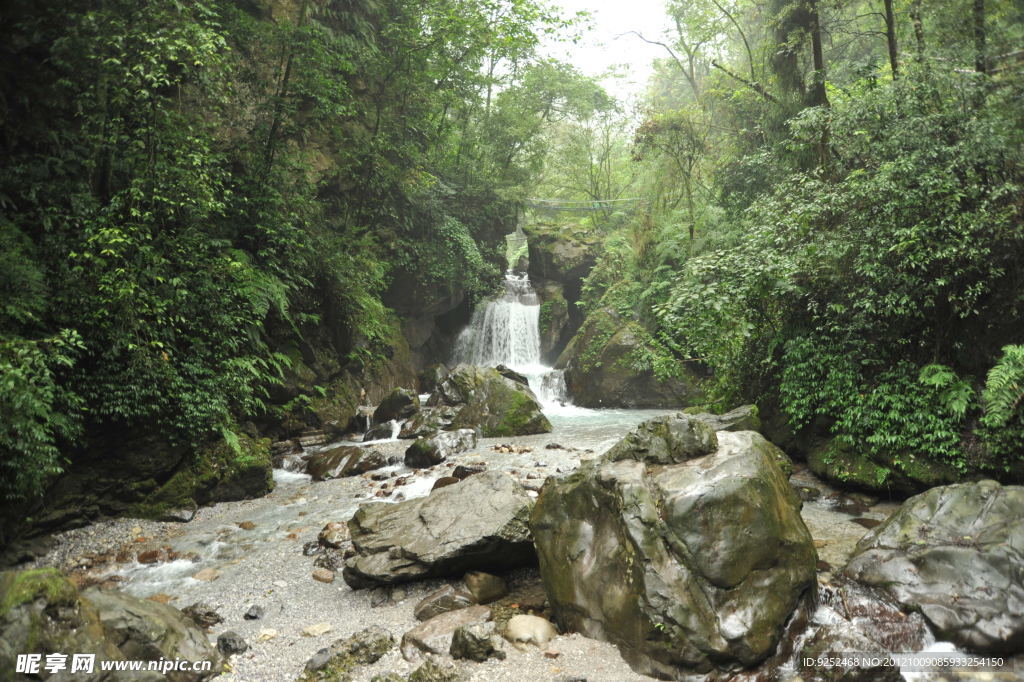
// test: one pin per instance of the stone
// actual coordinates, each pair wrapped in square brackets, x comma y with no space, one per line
[686,567]
[204,615]
[247,525]
[329,559]
[206,575]
[400,404]
[428,421]
[488,401]
[433,536]
[524,629]
[599,367]
[146,630]
[435,670]
[462,471]
[954,554]
[431,376]
[335,662]
[434,636]
[892,474]
[344,460]
[838,642]
[230,643]
[151,556]
[742,418]
[426,452]
[254,612]
[477,642]
[443,600]
[444,481]
[266,634]
[317,629]
[670,439]
[323,575]
[333,535]
[380,432]
[485,587]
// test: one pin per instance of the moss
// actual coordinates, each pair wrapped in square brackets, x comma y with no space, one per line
[519,416]
[835,462]
[26,586]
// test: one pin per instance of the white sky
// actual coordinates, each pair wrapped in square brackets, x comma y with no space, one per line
[599,50]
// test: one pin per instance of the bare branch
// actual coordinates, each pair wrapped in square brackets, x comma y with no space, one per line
[756,87]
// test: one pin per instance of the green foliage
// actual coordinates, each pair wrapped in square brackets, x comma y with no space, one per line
[1002,397]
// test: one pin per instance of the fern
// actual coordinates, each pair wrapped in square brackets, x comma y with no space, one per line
[1004,388]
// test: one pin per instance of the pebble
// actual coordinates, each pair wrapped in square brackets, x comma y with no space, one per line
[255,612]
[317,630]
[206,574]
[323,575]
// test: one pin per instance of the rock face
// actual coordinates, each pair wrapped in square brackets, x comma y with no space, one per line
[346,460]
[743,418]
[401,403]
[955,554]
[147,630]
[495,404]
[687,565]
[427,452]
[600,370]
[437,536]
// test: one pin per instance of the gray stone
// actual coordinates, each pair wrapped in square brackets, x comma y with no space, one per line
[345,460]
[742,418]
[687,567]
[485,587]
[400,404]
[477,642]
[434,536]
[363,648]
[955,554]
[203,615]
[255,612]
[434,636]
[426,452]
[230,643]
[488,401]
[666,440]
[443,600]
[839,642]
[436,670]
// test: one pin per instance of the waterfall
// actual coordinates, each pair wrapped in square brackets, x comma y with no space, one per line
[507,332]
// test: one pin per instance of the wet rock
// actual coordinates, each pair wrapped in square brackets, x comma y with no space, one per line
[254,612]
[443,600]
[428,421]
[204,615]
[344,460]
[247,525]
[806,493]
[431,376]
[839,642]
[230,643]
[867,523]
[666,440]
[522,630]
[363,648]
[434,636]
[743,418]
[426,452]
[515,376]
[486,400]
[477,642]
[435,670]
[380,432]
[955,554]
[485,587]
[206,575]
[462,471]
[400,404]
[151,556]
[311,548]
[687,566]
[323,575]
[333,535]
[444,481]
[146,630]
[433,536]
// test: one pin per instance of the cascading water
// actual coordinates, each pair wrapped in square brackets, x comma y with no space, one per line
[507,332]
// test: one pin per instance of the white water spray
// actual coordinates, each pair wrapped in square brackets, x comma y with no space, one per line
[507,332]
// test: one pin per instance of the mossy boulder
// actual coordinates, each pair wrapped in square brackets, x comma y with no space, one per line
[841,464]
[401,403]
[688,565]
[954,554]
[554,321]
[337,662]
[601,367]
[344,460]
[496,404]
[219,471]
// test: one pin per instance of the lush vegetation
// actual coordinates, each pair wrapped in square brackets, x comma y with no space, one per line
[833,224]
[200,201]
[192,191]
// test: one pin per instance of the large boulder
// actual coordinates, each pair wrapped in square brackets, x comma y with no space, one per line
[601,363]
[954,554]
[147,630]
[479,524]
[426,452]
[428,421]
[344,460]
[742,418]
[496,404]
[401,403]
[882,473]
[686,564]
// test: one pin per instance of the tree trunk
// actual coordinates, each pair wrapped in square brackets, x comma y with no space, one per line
[890,38]
[980,62]
[915,19]
[819,97]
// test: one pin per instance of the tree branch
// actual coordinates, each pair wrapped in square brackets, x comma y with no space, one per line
[756,87]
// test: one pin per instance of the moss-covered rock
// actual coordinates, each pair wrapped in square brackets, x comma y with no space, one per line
[839,463]
[337,662]
[497,405]
[554,323]
[220,471]
[601,367]
[688,567]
